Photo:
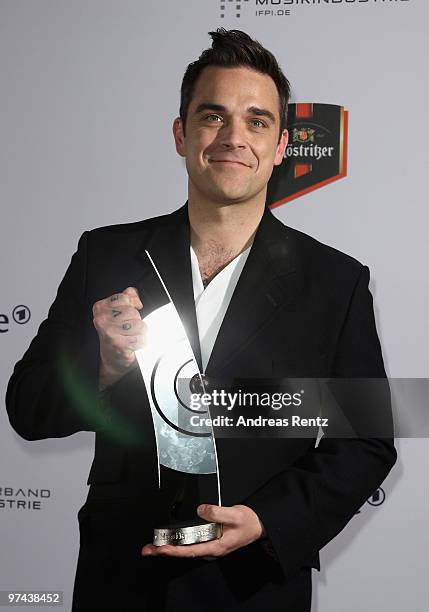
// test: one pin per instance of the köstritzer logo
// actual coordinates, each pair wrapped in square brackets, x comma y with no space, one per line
[316,154]
[303,134]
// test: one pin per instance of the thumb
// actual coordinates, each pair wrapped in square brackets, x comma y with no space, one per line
[217,514]
[133,294]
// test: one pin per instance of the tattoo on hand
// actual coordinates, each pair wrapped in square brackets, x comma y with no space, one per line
[115,313]
[126,326]
[114,298]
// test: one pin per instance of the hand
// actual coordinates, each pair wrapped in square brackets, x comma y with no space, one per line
[241,526]
[121,332]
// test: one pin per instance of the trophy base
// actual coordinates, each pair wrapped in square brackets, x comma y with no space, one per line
[181,534]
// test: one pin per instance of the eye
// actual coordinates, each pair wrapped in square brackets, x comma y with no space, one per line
[259,122]
[209,117]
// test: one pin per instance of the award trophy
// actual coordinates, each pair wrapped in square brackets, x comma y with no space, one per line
[171,375]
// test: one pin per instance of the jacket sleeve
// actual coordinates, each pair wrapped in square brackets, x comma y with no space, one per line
[308,504]
[53,391]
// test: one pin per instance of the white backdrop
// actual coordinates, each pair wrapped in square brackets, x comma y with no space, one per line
[89,90]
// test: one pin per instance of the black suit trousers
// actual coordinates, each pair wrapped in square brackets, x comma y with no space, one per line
[113,575]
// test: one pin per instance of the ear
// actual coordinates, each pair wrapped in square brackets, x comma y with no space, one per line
[179,137]
[281,147]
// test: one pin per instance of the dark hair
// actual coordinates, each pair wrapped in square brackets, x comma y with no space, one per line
[233,48]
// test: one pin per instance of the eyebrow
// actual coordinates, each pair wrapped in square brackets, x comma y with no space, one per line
[254,110]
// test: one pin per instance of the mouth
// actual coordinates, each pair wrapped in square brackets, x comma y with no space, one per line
[228,161]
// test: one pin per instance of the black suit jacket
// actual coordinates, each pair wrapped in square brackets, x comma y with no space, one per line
[300,309]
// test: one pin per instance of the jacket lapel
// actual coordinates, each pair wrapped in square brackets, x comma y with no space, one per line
[168,244]
[268,281]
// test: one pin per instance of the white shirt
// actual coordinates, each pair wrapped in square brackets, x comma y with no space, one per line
[211,303]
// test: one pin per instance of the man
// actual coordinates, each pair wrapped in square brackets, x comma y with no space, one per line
[299,309]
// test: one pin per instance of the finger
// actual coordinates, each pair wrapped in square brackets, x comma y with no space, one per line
[109,308]
[119,313]
[116,302]
[130,327]
[115,334]
[204,549]
[135,343]
[228,515]
[131,344]
[117,299]
[122,320]
[133,294]
[118,342]
[106,315]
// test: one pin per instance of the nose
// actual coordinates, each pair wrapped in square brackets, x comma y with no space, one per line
[232,135]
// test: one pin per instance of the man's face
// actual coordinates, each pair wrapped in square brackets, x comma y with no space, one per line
[232,129]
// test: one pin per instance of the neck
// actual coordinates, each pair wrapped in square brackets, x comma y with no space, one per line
[229,226]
